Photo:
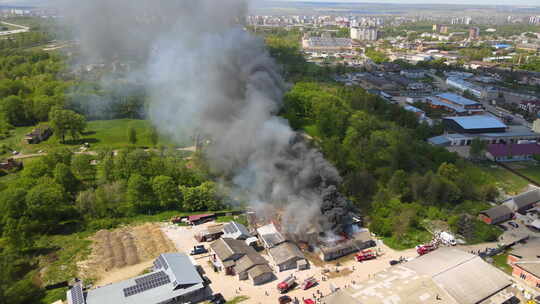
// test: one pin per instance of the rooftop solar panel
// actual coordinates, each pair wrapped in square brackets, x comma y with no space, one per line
[147,282]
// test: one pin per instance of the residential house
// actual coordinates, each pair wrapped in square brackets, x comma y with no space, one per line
[286,256]
[496,215]
[525,262]
[38,135]
[174,279]
[11,164]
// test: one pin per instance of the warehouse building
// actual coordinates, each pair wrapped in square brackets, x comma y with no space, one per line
[455,104]
[476,124]
[496,215]
[446,276]
[174,279]
[525,262]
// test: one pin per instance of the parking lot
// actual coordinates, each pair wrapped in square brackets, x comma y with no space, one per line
[341,273]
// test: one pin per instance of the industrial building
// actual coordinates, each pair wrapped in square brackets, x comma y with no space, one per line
[359,241]
[525,262]
[455,104]
[326,44]
[512,152]
[446,276]
[513,134]
[476,124]
[174,279]
[463,85]
[520,203]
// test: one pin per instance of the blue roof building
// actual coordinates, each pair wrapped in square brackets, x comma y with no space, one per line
[474,124]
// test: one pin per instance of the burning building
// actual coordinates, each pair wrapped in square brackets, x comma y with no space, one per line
[204,73]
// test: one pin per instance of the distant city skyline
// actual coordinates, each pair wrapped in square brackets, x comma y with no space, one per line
[460,2]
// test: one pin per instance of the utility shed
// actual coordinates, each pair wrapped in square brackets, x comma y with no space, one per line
[286,256]
[209,234]
[237,231]
[174,279]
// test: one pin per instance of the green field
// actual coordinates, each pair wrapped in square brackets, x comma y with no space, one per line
[508,181]
[99,134]
[529,169]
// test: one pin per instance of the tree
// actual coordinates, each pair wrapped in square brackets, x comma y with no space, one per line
[478,147]
[64,177]
[139,193]
[66,122]
[200,198]
[81,165]
[12,108]
[448,171]
[166,191]
[132,135]
[47,205]
[153,135]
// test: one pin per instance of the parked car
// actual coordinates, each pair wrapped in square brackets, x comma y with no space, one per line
[513,224]
[503,227]
[198,249]
[217,299]
[284,300]
[394,262]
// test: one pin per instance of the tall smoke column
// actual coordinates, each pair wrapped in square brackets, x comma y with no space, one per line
[205,73]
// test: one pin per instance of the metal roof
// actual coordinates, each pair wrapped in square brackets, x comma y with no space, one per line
[270,236]
[439,140]
[477,122]
[466,277]
[226,248]
[235,230]
[285,252]
[497,211]
[181,276]
[457,99]
[526,198]
[498,150]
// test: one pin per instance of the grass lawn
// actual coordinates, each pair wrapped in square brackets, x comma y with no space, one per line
[500,262]
[237,218]
[58,261]
[99,134]
[508,181]
[529,169]
[238,300]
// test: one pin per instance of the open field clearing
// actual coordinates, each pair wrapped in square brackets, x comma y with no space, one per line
[132,246]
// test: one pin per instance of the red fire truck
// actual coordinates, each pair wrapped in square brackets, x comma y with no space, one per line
[425,248]
[286,284]
[365,255]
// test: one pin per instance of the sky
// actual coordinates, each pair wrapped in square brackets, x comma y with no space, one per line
[472,2]
[467,2]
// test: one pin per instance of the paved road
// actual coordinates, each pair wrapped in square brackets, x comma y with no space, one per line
[22,29]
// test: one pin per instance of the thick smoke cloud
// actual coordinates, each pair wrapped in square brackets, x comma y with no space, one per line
[206,75]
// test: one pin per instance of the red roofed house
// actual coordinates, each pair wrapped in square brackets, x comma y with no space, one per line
[200,218]
[512,152]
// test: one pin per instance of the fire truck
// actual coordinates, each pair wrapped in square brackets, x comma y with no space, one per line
[425,248]
[308,283]
[286,284]
[365,255]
